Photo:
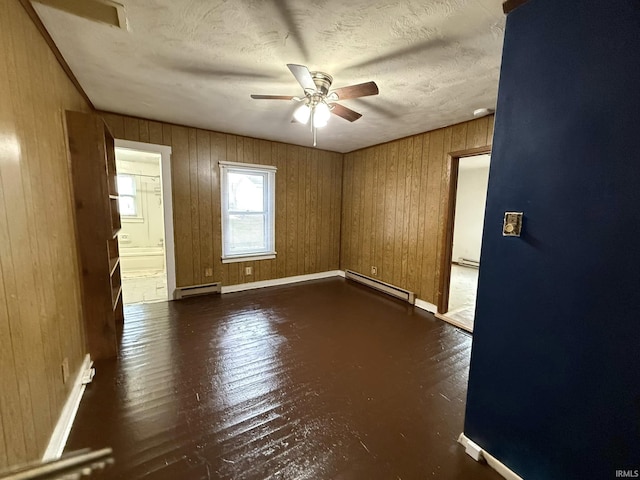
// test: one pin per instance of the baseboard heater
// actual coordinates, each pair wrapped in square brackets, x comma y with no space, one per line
[392,290]
[466,262]
[193,290]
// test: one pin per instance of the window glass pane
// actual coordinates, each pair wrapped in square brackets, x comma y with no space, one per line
[246,234]
[126,185]
[246,192]
[127,205]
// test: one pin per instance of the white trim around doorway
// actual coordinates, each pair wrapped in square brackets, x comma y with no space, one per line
[167,204]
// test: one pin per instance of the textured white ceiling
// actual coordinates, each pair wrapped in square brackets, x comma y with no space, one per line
[195,62]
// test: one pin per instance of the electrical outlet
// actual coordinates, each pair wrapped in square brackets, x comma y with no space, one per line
[374,270]
[248,270]
[65,370]
[208,272]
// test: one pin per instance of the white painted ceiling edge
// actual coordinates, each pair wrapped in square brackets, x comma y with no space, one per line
[195,63]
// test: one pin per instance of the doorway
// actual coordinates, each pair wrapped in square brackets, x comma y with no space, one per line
[145,241]
[468,195]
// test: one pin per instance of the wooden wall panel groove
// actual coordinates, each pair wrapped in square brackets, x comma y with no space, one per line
[345,239]
[395,202]
[308,200]
[279,152]
[444,192]
[181,187]
[435,161]
[377,235]
[218,150]
[205,202]
[336,188]
[402,215]
[195,208]
[413,216]
[40,309]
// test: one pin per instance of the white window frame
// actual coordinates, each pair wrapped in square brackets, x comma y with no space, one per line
[270,201]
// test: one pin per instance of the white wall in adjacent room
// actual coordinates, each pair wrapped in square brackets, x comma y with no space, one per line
[473,177]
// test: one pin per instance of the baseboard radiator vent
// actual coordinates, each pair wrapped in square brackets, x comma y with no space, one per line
[466,262]
[392,290]
[193,290]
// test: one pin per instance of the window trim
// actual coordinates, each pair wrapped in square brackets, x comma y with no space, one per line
[269,172]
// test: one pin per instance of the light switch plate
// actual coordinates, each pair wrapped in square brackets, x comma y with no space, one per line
[512,224]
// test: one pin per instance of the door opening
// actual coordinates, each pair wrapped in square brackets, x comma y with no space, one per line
[145,241]
[461,262]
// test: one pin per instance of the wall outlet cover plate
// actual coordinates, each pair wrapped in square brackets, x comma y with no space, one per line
[512,224]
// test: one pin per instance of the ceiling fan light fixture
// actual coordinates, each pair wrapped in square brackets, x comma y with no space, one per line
[321,114]
[302,113]
[318,103]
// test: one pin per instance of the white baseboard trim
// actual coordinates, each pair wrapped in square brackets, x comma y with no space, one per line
[281,281]
[61,432]
[429,307]
[497,465]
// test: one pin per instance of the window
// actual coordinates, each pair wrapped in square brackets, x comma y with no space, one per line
[248,211]
[127,195]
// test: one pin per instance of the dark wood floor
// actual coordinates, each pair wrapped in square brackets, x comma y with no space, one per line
[320,380]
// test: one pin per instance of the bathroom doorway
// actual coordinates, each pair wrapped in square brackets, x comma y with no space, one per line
[145,241]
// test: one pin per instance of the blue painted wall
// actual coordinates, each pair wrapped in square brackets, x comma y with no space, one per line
[554,386]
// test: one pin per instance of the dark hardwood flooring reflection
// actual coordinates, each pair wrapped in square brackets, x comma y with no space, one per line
[319,380]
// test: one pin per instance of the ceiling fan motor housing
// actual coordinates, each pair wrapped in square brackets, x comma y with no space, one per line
[318,104]
[323,82]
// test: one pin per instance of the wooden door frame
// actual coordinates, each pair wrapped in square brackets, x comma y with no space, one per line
[451,190]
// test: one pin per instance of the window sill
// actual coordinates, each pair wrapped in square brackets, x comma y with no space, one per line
[249,258]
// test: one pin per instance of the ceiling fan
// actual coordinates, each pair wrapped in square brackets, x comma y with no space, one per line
[318,103]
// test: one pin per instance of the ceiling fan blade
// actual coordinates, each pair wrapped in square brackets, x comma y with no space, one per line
[303,76]
[345,112]
[272,97]
[356,91]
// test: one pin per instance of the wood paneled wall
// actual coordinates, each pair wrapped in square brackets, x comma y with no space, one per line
[308,200]
[393,211]
[40,308]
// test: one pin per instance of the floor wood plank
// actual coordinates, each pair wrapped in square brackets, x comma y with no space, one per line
[319,380]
